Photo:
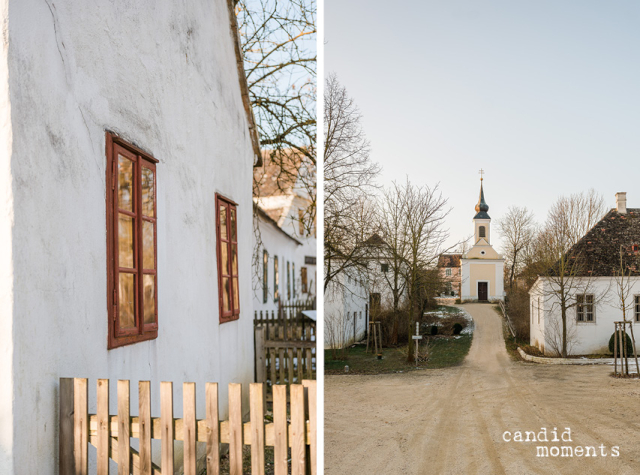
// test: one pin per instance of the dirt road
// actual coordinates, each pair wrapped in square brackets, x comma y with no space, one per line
[452,421]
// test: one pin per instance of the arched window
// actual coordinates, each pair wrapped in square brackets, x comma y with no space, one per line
[482,231]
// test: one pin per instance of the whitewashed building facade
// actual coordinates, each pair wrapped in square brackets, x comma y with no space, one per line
[126,158]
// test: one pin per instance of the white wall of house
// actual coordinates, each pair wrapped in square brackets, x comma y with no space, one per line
[163,75]
[584,338]
[345,311]
[277,243]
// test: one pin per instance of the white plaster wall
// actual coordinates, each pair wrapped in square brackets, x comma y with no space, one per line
[276,244]
[6,257]
[163,75]
[347,298]
[589,337]
[536,330]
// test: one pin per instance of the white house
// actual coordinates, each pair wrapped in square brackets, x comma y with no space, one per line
[593,295]
[276,280]
[126,155]
[482,268]
[282,192]
[346,305]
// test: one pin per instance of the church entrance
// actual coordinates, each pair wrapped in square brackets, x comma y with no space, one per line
[483,291]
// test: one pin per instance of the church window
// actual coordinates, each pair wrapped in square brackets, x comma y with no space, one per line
[482,231]
[584,308]
[448,272]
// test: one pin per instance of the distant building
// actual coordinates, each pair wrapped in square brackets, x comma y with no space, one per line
[593,298]
[449,269]
[482,268]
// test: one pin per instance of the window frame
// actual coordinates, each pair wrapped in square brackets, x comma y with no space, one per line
[636,309]
[288,280]
[265,276]
[303,279]
[234,312]
[580,311]
[276,280]
[482,232]
[117,337]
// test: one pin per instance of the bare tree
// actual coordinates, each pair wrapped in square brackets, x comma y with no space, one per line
[424,232]
[625,283]
[568,274]
[349,176]
[517,229]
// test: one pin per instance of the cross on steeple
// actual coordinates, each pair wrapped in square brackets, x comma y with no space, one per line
[481,173]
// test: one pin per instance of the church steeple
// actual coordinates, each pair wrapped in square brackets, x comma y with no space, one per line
[482,207]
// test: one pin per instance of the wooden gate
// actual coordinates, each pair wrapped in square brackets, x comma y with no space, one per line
[110,434]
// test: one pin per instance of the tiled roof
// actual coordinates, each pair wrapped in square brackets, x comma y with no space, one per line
[599,249]
[449,260]
[274,178]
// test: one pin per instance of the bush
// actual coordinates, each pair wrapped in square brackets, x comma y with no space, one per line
[457,328]
[629,344]
[434,330]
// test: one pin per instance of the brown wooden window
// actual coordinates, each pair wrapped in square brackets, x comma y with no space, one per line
[636,312]
[303,279]
[227,250]
[276,280]
[132,278]
[288,281]
[265,276]
[293,275]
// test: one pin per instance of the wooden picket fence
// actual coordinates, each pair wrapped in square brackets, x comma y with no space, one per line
[285,346]
[111,434]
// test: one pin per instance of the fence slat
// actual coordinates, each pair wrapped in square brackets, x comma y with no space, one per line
[166,423]
[256,408]
[313,423]
[189,427]
[298,430]
[144,426]
[213,435]
[272,362]
[124,457]
[235,428]
[280,451]
[66,443]
[281,356]
[103,426]
[81,425]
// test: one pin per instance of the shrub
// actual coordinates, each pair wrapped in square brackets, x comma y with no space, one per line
[629,344]
[434,330]
[457,328]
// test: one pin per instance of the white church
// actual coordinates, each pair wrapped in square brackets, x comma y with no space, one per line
[482,268]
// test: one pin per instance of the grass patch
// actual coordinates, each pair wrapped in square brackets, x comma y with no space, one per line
[511,343]
[445,352]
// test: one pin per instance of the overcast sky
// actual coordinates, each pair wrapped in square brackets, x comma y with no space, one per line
[543,95]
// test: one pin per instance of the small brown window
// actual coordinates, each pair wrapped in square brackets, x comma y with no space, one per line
[132,279]
[482,231]
[265,276]
[227,250]
[276,280]
[303,279]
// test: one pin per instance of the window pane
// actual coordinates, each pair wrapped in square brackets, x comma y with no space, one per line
[224,256]
[125,183]
[149,296]
[233,224]
[125,240]
[234,259]
[223,222]
[126,300]
[148,189]
[226,294]
[236,299]
[148,248]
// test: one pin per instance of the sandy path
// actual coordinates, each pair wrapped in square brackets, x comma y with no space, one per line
[451,421]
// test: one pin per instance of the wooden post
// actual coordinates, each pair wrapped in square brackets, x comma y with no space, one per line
[189,427]
[235,428]
[256,408]
[166,423]
[124,455]
[144,426]
[313,424]
[66,442]
[298,430]
[103,426]
[260,360]
[81,425]
[280,449]
[615,350]
[213,434]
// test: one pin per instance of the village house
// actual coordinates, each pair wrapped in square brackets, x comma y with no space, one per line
[127,148]
[346,310]
[593,295]
[286,230]
[482,268]
[449,271]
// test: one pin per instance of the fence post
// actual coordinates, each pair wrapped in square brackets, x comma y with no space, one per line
[298,430]
[65,442]
[260,361]
[311,393]
[81,425]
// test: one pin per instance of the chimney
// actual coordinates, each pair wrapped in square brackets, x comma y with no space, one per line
[621,202]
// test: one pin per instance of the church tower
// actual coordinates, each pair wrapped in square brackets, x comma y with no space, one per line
[482,267]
